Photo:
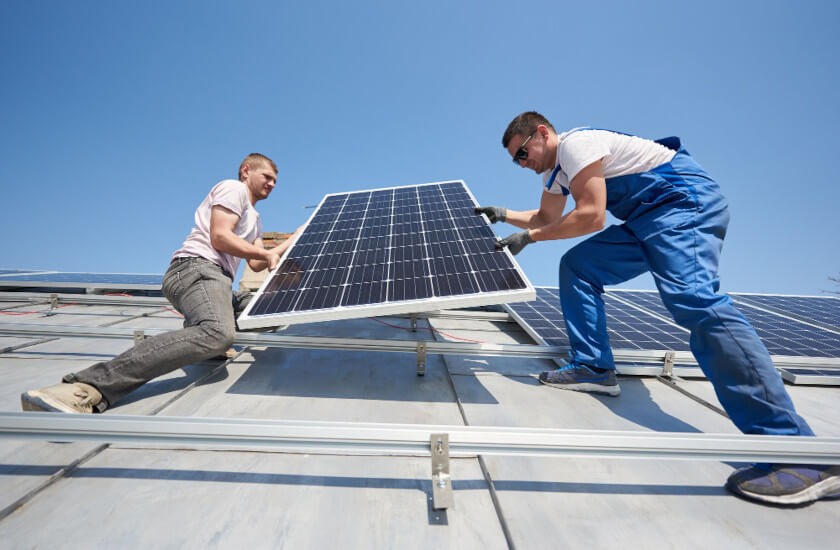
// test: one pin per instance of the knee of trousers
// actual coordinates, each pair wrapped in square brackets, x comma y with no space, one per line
[569,268]
[217,337]
[694,314]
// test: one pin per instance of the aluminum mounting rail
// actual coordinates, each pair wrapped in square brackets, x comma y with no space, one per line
[322,342]
[440,442]
[298,342]
[638,358]
[413,439]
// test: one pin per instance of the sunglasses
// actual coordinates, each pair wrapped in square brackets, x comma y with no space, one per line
[522,153]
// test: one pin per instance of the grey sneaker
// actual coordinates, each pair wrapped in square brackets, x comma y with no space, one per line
[786,483]
[578,377]
[75,397]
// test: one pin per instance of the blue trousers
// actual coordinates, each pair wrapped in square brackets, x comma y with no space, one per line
[675,223]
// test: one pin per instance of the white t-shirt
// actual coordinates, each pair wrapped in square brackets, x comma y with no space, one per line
[621,154]
[233,195]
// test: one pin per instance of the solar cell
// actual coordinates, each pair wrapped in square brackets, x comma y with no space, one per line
[823,311]
[394,250]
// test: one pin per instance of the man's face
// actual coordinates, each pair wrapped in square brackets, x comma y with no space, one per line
[260,180]
[540,158]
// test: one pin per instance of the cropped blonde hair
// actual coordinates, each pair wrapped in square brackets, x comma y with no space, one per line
[254,160]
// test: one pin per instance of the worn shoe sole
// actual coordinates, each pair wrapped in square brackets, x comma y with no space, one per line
[36,400]
[827,488]
[585,386]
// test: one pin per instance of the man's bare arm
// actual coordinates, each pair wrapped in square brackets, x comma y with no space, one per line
[589,189]
[223,239]
[280,249]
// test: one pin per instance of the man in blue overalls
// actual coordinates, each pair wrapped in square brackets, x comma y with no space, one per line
[675,220]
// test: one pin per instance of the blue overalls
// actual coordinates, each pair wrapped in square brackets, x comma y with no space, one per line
[675,219]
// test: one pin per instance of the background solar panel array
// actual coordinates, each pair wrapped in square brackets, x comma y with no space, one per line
[637,319]
[18,271]
[83,280]
[387,246]
[782,336]
[821,310]
[628,327]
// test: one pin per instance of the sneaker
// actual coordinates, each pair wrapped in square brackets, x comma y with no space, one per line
[785,483]
[75,397]
[575,376]
[230,353]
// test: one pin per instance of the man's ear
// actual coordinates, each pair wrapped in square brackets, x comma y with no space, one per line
[243,174]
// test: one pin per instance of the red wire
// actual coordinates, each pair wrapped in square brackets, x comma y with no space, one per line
[74,303]
[124,294]
[431,329]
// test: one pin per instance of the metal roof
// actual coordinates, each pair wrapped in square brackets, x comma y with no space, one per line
[140,495]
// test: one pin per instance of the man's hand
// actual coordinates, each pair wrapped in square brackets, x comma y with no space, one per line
[494,213]
[272,258]
[515,242]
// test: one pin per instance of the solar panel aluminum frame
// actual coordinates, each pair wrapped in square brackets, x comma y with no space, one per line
[796,377]
[246,321]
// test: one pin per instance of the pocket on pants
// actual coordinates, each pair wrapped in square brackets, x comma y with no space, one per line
[179,278]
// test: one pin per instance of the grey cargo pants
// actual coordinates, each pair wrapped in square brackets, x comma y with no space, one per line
[201,291]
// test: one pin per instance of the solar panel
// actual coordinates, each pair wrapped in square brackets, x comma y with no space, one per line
[629,328]
[644,328]
[8,272]
[637,319]
[785,336]
[542,317]
[823,311]
[781,335]
[813,377]
[388,251]
[55,279]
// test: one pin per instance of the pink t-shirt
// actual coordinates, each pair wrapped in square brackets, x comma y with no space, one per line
[233,195]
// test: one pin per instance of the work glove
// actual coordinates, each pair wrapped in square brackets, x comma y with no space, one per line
[515,242]
[494,213]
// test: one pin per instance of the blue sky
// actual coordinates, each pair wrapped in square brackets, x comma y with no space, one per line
[118,117]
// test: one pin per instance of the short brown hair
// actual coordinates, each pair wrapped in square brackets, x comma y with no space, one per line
[525,124]
[255,159]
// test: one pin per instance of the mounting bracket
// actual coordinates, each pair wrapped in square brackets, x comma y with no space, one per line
[441,479]
[53,305]
[421,358]
[668,369]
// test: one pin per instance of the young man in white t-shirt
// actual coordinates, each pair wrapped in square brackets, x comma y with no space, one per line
[674,221]
[198,283]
